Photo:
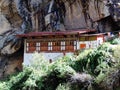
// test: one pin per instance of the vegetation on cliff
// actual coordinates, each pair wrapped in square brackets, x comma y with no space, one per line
[91,69]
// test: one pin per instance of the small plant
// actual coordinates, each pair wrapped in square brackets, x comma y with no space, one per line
[116,53]
[64,86]
[4,86]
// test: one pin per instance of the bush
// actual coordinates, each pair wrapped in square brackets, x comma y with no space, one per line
[96,62]
[115,41]
[4,86]
[42,75]
[93,62]
[116,53]
[64,86]
[39,75]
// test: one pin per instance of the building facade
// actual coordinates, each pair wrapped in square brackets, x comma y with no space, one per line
[54,45]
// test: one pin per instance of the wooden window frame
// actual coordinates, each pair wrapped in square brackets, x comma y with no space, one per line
[30,45]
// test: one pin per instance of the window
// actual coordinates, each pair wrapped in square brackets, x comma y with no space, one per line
[49,46]
[75,45]
[62,45]
[70,45]
[30,47]
[44,46]
[56,46]
[82,46]
[38,46]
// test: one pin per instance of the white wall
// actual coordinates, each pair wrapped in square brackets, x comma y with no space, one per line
[53,56]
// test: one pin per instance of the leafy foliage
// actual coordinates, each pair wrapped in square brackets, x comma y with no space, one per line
[64,86]
[3,86]
[39,75]
[115,41]
[116,53]
[94,61]
[42,75]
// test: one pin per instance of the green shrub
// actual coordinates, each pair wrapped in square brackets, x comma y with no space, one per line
[17,82]
[64,86]
[115,41]
[4,86]
[42,75]
[116,53]
[105,47]
[95,61]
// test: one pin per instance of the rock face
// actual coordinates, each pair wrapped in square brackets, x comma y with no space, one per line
[10,64]
[23,16]
[10,23]
[82,14]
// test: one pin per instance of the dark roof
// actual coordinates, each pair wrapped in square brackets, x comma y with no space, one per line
[69,32]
